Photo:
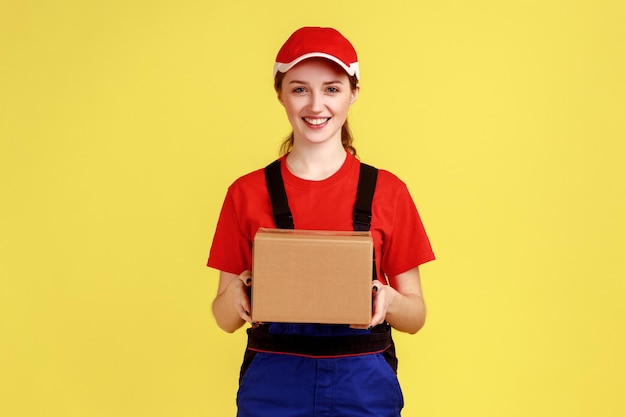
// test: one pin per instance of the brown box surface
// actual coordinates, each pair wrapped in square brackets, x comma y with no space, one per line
[301,276]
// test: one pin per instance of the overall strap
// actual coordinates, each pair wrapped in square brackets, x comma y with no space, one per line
[363,206]
[364,195]
[362,215]
[282,214]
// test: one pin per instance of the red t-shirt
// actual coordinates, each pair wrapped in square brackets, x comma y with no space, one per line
[400,240]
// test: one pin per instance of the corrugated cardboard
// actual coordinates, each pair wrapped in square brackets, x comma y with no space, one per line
[312,277]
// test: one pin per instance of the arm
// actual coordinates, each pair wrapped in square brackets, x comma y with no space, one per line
[403,307]
[231,306]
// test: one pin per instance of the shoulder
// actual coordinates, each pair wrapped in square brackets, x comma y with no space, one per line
[388,182]
[252,180]
[389,178]
[249,179]
[249,186]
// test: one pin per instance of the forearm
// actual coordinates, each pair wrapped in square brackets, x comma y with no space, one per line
[226,316]
[404,302]
[231,306]
[406,313]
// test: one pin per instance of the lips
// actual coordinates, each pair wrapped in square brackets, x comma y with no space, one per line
[317,121]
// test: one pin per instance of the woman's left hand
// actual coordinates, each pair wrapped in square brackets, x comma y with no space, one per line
[382,297]
[402,305]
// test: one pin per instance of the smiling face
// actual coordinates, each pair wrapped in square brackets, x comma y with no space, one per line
[317,95]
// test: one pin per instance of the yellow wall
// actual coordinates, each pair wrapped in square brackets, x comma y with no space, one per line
[123,122]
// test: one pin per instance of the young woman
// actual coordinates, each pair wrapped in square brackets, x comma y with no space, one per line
[316,80]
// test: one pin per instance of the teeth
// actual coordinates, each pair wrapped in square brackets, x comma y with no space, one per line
[316,121]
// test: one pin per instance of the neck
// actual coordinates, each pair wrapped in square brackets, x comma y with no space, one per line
[316,164]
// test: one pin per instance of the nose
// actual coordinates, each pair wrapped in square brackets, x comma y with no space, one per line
[317,102]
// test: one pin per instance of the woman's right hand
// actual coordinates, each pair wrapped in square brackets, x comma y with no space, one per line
[242,295]
[232,307]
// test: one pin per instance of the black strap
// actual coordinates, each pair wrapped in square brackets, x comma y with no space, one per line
[363,206]
[364,195]
[379,340]
[362,214]
[282,214]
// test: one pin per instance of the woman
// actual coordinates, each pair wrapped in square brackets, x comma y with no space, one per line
[316,80]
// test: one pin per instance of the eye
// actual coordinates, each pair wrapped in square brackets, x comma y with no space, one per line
[332,89]
[298,90]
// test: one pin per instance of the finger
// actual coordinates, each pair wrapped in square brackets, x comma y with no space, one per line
[246,278]
[246,308]
[244,313]
[377,319]
[378,305]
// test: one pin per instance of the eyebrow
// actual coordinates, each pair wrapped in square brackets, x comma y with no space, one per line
[325,83]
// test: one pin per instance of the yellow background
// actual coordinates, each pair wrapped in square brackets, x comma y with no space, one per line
[123,122]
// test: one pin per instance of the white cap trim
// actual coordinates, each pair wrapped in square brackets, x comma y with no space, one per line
[352,69]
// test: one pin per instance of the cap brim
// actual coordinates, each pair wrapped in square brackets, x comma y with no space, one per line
[352,69]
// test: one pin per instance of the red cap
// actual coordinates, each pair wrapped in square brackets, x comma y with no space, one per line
[312,42]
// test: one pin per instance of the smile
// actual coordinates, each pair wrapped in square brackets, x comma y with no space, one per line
[317,121]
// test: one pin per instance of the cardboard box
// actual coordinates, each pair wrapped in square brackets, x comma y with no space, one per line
[302,276]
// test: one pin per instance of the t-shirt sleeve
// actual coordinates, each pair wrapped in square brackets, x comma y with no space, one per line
[231,250]
[407,246]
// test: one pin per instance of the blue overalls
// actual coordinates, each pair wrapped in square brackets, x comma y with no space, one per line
[318,370]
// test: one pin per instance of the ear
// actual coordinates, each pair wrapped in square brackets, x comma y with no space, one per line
[355,94]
